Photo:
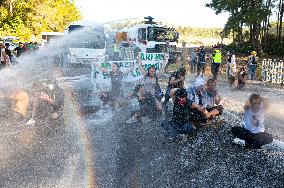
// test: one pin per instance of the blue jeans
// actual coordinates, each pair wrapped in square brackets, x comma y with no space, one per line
[215,69]
[175,128]
[252,72]
[193,66]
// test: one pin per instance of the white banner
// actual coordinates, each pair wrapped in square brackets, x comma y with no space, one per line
[102,79]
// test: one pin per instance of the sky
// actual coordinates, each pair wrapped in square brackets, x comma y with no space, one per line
[175,12]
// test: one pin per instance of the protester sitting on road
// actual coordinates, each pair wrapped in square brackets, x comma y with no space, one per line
[15,105]
[147,104]
[208,100]
[47,103]
[176,80]
[151,83]
[253,134]
[116,76]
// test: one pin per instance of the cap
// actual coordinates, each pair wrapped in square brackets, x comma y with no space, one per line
[253,53]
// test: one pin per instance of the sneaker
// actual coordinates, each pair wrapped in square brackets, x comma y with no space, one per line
[132,120]
[239,142]
[145,120]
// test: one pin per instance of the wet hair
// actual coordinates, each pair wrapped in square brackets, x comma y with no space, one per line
[152,66]
[117,65]
[181,93]
[182,71]
[253,97]
[137,88]
[210,81]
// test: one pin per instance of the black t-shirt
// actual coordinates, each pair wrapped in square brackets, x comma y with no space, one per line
[8,52]
[176,75]
[20,51]
[181,114]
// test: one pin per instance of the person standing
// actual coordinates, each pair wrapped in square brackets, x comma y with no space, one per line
[252,65]
[184,54]
[193,60]
[4,56]
[217,59]
[8,51]
[201,61]
[20,50]
[231,68]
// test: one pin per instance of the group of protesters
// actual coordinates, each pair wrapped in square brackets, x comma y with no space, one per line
[193,106]
[30,106]
[9,56]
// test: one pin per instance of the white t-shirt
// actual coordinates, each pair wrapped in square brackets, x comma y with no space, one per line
[232,66]
[254,122]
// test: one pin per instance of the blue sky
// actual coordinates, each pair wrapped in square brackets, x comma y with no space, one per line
[179,12]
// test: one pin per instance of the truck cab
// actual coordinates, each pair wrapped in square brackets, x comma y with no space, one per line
[86,43]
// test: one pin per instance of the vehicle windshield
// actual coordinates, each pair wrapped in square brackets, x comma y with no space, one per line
[87,38]
[162,34]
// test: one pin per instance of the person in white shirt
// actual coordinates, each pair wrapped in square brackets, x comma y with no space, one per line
[231,68]
[253,134]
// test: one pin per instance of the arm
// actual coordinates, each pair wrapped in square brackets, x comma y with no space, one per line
[247,105]
[164,65]
[140,65]
[175,81]
[265,103]
[129,70]
[102,69]
[218,99]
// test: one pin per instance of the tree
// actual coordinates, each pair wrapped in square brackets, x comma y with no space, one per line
[31,17]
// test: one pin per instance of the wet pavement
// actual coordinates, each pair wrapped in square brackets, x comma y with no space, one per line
[100,150]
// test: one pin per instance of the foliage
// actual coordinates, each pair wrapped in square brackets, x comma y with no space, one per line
[25,18]
[249,23]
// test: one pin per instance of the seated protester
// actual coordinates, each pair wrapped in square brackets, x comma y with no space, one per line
[147,104]
[176,80]
[207,99]
[182,112]
[19,110]
[253,134]
[151,82]
[46,104]
[241,78]
[116,76]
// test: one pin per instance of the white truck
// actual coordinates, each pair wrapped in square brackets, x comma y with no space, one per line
[86,42]
[152,37]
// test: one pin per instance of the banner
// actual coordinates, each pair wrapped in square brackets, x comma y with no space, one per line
[273,71]
[102,79]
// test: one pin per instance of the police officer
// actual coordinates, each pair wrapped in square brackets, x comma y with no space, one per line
[217,59]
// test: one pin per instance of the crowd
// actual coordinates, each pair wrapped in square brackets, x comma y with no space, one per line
[191,108]
[195,105]
[40,103]
[9,56]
